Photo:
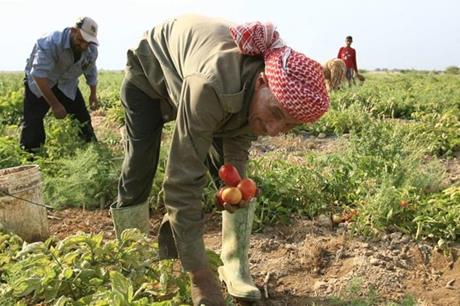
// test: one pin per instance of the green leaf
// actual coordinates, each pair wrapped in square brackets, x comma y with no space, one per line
[86,274]
[214,259]
[71,243]
[52,291]
[31,248]
[62,301]
[96,281]
[121,287]
[23,287]
[389,214]
[131,234]
[66,273]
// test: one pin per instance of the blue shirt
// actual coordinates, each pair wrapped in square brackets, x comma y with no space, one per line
[52,58]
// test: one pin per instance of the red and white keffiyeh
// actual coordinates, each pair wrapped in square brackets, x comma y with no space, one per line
[296,80]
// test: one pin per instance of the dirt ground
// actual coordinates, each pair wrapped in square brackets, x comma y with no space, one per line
[310,262]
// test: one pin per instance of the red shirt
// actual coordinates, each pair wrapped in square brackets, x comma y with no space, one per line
[348,54]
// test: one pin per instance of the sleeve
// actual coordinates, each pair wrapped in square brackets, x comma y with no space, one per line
[339,55]
[91,71]
[236,151]
[198,114]
[44,57]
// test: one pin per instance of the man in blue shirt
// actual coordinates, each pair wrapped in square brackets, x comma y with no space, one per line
[52,71]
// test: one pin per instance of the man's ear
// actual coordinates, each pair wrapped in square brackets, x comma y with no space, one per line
[73,31]
[261,80]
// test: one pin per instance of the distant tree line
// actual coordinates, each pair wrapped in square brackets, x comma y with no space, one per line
[448,70]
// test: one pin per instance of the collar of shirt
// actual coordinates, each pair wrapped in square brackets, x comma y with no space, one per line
[66,35]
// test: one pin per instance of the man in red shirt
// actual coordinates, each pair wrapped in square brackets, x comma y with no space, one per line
[348,55]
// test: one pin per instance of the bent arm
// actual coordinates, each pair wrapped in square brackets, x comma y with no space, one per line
[198,114]
[90,74]
[93,102]
[236,152]
[48,94]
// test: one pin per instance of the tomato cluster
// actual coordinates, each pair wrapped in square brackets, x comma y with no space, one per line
[235,189]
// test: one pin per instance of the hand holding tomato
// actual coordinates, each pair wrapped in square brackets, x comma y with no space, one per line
[237,193]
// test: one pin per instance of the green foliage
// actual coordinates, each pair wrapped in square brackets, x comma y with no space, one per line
[88,178]
[11,97]
[10,153]
[431,102]
[75,173]
[116,114]
[287,190]
[439,215]
[61,138]
[338,121]
[452,70]
[440,131]
[385,151]
[108,88]
[381,167]
[84,270]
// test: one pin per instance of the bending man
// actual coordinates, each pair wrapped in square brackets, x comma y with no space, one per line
[224,85]
[52,71]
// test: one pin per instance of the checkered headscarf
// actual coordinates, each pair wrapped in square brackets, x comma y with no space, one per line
[296,80]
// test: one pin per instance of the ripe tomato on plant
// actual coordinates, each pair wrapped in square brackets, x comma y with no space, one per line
[248,188]
[229,175]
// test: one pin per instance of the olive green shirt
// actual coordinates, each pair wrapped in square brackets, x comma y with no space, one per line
[194,67]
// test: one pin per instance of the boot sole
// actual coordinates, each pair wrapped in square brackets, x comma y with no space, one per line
[231,291]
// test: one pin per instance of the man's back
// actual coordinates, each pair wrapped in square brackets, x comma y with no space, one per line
[191,45]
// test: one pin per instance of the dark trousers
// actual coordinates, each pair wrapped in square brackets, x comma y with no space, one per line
[144,125]
[33,131]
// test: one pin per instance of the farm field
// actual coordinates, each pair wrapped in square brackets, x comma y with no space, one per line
[361,208]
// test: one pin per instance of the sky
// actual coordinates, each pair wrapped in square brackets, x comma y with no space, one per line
[392,34]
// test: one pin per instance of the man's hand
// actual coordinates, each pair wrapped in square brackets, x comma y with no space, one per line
[231,208]
[59,111]
[93,102]
[56,107]
[243,204]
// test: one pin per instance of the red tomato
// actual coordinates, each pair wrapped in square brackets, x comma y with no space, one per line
[248,188]
[229,175]
[231,195]
[219,199]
